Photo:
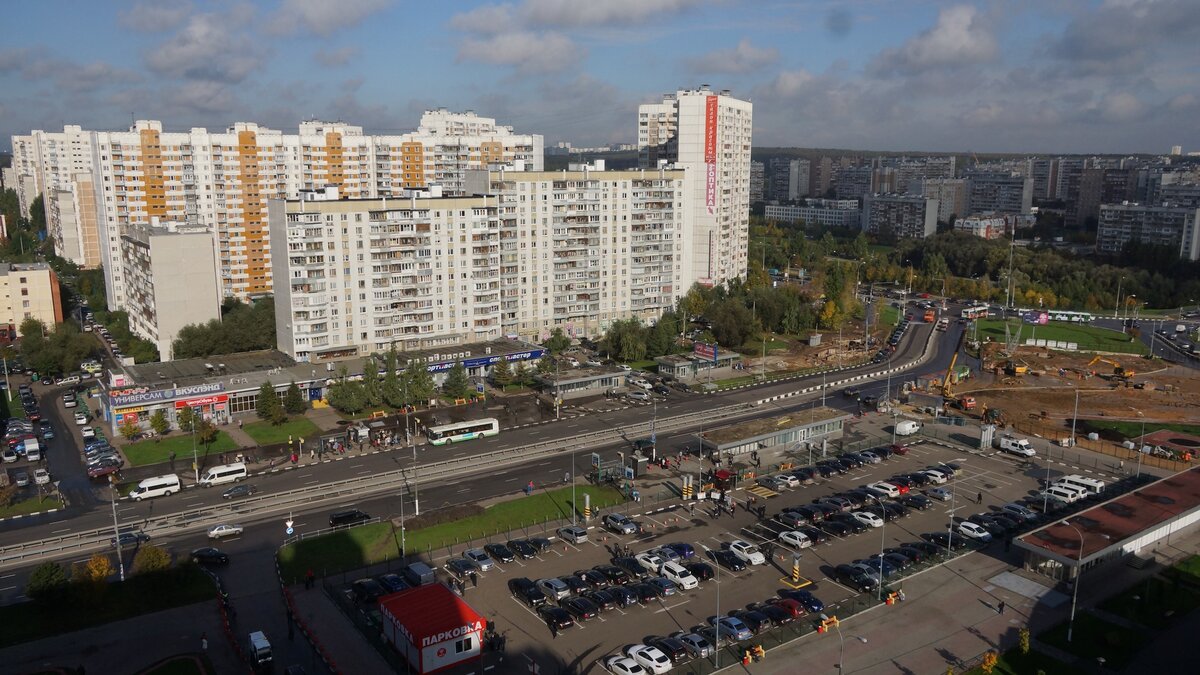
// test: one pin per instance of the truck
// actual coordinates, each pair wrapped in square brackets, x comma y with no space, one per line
[259,650]
[966,402]
[930,316]
[1012,444]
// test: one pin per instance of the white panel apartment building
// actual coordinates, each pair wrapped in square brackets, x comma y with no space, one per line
[572,249]
[223,180]
[709,134]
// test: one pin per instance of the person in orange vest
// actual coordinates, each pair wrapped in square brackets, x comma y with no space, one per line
[746,658]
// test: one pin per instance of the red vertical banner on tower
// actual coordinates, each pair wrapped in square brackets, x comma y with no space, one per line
[710,153]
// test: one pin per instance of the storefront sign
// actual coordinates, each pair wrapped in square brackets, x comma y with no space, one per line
[204,400]
[146,396]
[488,360]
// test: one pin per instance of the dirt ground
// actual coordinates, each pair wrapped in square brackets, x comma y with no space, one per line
[832,351]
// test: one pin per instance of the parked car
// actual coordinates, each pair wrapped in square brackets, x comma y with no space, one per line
[478,558]
[735,626]
[620,523]
[727,560]
[795,539]
[748,552]
[650,658]
[500,552]
[41,477]
[941,494]
[555,617]
[682,550]
[522,548]
[367,590]
[623,665]
[525,590]
[974,531]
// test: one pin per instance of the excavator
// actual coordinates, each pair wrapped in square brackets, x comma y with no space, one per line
[1119,371]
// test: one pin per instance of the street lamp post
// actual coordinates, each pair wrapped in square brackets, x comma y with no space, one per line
[1078,577]
[1075,417]
[112,484]
[842,646]
[1118,308]
[882,542]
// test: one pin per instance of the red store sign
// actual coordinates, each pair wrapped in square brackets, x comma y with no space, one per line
[203,400]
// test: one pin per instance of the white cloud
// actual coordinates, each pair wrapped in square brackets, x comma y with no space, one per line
[1121,107]
[335,57]
[601,12]
[790,83]
[527,52]
[206,49]
[155,16]
[322,17]
[960,37]
[744,58]
[486,19]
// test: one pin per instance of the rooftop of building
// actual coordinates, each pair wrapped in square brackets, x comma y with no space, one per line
[755,428]
[23,267]
[1118,520]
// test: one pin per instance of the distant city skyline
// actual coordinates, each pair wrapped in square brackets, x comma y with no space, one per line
[1069,76]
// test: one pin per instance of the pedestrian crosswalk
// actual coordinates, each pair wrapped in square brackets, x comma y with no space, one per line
[763,492]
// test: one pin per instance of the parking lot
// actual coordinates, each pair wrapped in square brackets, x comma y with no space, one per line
[990,478]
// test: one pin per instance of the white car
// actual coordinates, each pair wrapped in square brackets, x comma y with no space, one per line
[787,479]
[622,366]
[224,530]
[623,665]
[679,575]
[41,477]
[80,419]
[795,539]
[650,658]
[649,562]
[89,434]
[935,477]
[974,531]
[747,552]
[867,518]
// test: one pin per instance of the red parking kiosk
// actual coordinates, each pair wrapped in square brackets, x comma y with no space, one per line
[431,627]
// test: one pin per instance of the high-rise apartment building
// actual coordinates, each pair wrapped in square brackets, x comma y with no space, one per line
[1044,172]
[818,212]
[575,250]
[170,281]
[29,291]
[1177,228]
[758,181]
[853,182]
[222,180]
[1001,192]
[950,193]
[709,134]
[902,216]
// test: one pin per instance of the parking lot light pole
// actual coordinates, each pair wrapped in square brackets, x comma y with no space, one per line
[112,484]
[842,646]
[882,543]
[1078,577]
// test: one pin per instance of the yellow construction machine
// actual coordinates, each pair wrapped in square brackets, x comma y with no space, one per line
[1119,372]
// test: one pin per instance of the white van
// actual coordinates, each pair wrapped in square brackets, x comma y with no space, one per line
[1089,486]
[1061,493]
[1014,445]
[33,450]
[225,473]
[907,428]
[159,486]
[680,575]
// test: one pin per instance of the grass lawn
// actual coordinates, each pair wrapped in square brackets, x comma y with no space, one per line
[264,433]
[31,505]
[889,316]
[1155,603]
[1134,429]
[156,451]
[1190,566]
[13,408]
[84,607]
[1016,663]
[1087,337]
[1095,637]
[755,347]
[646,364]
[362,546]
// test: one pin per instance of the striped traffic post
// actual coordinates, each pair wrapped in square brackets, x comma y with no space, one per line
[796,568]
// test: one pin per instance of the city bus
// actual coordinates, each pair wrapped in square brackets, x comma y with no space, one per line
[976,312]
[462,431]
[1073,317]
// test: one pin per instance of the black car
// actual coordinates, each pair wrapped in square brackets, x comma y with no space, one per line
[944,540]
[128,539]
[869,400]
[392,583]
[858,498]
[896,509]
[522,548]
[347,518]
[461,567]
[701,570]
[662,390]
[883,451]
[853,578]
[777,615]
[902,480]
[825,470]
[755,620]
[210,556]
[805,474]
[672,647]
[592,578]
[851,460]
[499,552]
[575,583]
[920,479]
[897,560]
[887,516]
[555,617]
[727,560]
[622,596]
[919,502]
[367,590]
[526,591]
[856,526]
[243,490]
[580,607]
[832,466]
[805,598]
[843,466]
[614,574]
[540,543]
[810,513]
[602,598]
[924,547]
[631,566]
[834,528]
[813,533]
[644,592]
[850,392]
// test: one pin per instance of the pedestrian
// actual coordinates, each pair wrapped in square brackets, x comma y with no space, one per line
[1000,607]
[309,579]
[691,508]
[900,594]
[204,642]
[294,457]
[239,425]
[474,579]
[554,630]
[979,498]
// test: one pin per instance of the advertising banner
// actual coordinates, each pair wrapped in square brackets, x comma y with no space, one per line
[710,154]
[1038,318]
[705,351]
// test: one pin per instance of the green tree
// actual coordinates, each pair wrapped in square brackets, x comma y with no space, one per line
[46,581]
[129,429]
[545,365]
[502,374]
[660,338]
[558,342]
[206,433]
[241,328]
[456,384]
[732,322]
[522,376]
[268,401]
[418,381]
[96,570]
[159,422]
[695,302]
[626,340]
[150,558]
[372,383]
[1023,641]
[185,417]
[393,384]
[347,396]
[293,400]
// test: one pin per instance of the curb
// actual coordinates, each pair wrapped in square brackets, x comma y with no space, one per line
[35,513]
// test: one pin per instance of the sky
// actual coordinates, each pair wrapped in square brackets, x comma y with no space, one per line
[1027,76]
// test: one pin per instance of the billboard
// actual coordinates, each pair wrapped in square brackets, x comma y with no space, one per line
[710,154]
[705,351]
[1035,317]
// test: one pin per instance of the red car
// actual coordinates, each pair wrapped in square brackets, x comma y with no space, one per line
[899,449]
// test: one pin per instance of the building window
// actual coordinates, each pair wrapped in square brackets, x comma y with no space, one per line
[463,646]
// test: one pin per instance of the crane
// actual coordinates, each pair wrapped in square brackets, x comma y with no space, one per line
[947,389]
